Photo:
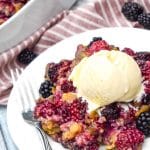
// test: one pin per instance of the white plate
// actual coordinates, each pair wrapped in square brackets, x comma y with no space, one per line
[24,135]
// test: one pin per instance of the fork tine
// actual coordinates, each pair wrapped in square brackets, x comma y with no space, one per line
[17,73]
[31,87]
[24,95]
[13,76]
[21,69]
[29,94]
[25,90]
[21,93]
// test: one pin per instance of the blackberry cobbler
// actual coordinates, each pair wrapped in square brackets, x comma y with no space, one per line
[66,118]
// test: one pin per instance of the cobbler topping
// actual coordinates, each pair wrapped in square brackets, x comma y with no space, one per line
[66,118]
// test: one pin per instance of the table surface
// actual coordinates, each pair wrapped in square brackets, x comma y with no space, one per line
[4,133]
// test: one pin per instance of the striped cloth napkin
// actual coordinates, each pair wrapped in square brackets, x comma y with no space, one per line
[98,14]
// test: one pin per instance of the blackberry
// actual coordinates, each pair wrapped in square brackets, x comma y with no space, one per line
[132,10]
[26,56]
[144,20]
[146,99]
[46,89]
[111,112]
[143,123]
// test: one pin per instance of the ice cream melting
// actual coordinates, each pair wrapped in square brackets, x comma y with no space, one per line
[107,77]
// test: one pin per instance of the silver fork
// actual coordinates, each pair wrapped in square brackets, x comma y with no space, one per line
[27,112]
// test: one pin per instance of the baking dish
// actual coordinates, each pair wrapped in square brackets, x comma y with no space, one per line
[28,19]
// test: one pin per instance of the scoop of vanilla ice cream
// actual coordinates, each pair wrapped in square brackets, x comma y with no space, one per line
[107,77]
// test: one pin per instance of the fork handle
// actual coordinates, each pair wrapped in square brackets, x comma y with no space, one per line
[44,139]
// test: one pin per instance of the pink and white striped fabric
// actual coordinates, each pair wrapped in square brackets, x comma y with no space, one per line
[98,14]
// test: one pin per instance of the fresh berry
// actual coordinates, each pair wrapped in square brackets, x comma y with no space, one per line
[143,123]
[26,56]
[98,45]
[67,86]
[129,51]
[111,112]
[129,138]
[132,10]
[46,89]
[144,20]
[146,99]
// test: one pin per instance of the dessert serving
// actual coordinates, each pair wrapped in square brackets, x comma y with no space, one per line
[9,7]
[100,98]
